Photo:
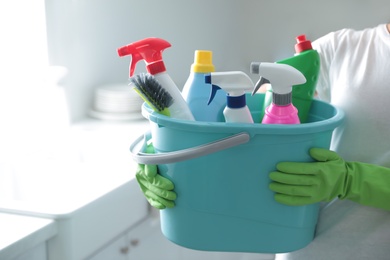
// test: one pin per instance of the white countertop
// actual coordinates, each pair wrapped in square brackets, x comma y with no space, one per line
[21,233]
[29,216]
[58,187]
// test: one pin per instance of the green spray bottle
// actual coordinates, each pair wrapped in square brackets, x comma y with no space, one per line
[307,61]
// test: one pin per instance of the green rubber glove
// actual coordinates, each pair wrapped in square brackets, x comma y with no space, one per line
[157,189]
[330,177]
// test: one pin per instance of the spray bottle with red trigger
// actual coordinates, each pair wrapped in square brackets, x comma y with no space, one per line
[150,50]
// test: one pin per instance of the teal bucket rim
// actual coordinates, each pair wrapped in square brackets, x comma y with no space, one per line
[257,128]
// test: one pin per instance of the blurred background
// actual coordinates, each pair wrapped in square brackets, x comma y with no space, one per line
[57,56]
[83,35]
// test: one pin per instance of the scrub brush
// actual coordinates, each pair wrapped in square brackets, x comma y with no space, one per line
[152,93]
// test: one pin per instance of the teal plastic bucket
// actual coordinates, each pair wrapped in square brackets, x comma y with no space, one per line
[220,172]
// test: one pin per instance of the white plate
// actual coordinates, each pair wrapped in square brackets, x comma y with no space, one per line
[115,116]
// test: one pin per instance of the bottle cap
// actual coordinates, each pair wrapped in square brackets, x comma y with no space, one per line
[203,62]
[302,44]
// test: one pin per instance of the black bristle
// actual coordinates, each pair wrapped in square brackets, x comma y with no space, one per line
[152,91]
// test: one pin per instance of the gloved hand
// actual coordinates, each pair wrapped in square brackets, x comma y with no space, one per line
[157,189]
[330,177]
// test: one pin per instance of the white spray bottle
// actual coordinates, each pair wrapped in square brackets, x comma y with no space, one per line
[150,50]
[235,83]
[282,78]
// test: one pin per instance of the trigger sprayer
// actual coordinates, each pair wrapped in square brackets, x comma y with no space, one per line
[150,50]
[282,77]
[235,83]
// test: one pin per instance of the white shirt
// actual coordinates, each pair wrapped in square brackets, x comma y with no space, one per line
[355,76]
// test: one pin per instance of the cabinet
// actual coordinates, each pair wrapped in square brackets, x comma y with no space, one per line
[148,243]
[117,250]
[24,237]
[36,253]
[145,241]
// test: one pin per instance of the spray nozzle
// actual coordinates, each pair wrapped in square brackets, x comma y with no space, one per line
[235,83]
[255,66]
[150,50]
[281,76]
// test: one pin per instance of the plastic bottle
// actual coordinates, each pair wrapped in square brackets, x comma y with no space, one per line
[150,50]
[196,92]
[307,61]
[235,83]
[282,78]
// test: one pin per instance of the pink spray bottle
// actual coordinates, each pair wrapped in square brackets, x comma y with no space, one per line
[282,77]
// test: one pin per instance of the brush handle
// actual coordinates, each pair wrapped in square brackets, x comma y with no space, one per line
[185,154]
[179,109]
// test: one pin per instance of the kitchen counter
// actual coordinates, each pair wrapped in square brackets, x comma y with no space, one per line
[56,186]
[22,233]
[89,199]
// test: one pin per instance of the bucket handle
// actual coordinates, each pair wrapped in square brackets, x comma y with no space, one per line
[185,154]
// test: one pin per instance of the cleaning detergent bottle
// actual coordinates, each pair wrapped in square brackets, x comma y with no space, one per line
[282,77]
[196,92]
[150,50]
[235,84]
[307,61]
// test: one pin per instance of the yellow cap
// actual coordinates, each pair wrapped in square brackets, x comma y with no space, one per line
[203,62]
